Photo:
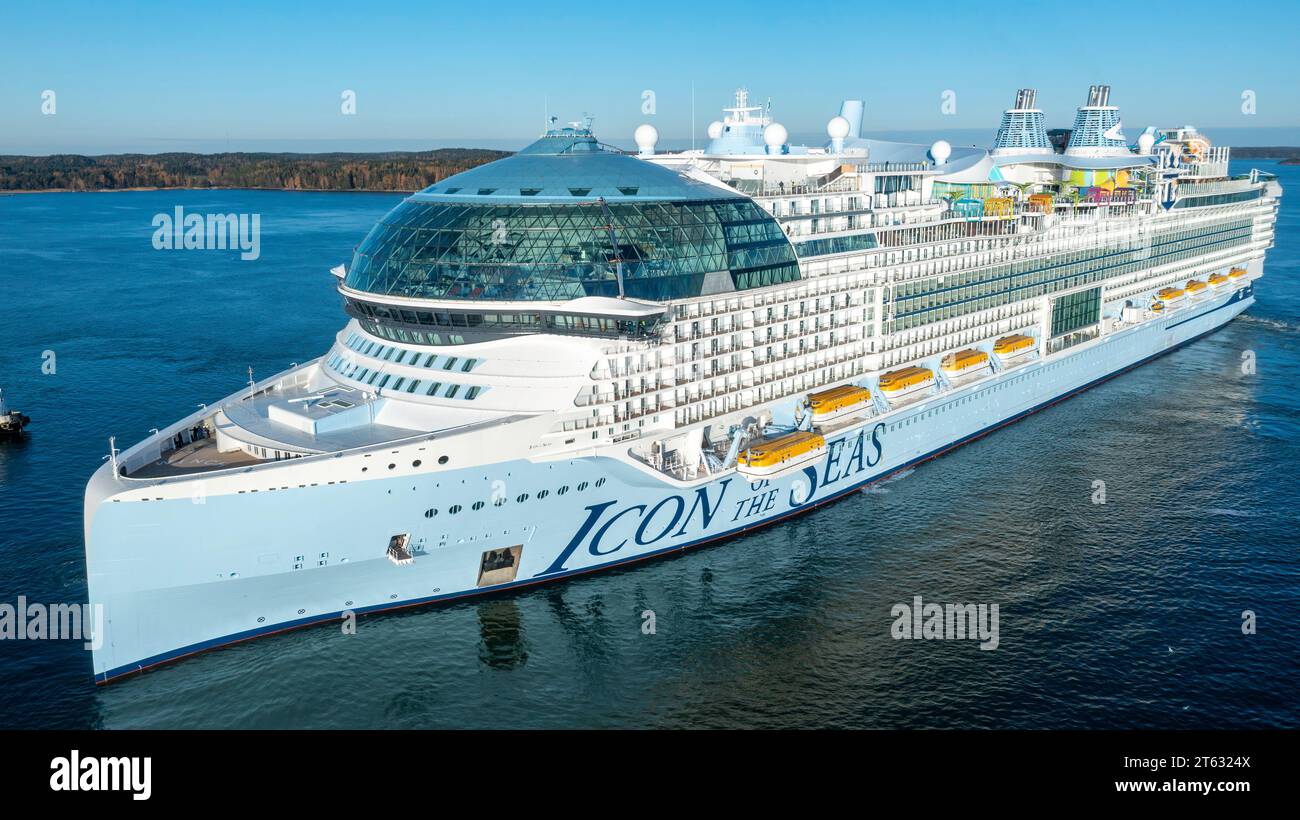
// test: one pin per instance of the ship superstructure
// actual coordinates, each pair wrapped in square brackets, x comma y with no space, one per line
[574,358]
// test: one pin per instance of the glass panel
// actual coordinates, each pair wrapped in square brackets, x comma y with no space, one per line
[560,252]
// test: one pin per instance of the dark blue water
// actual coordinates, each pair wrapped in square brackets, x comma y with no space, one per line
[1126,614]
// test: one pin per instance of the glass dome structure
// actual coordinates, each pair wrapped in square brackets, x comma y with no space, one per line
[557,220]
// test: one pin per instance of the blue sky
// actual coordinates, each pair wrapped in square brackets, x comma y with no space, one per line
[269,76]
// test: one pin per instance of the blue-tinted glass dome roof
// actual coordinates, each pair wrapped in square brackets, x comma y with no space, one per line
[560,220]
[568,164]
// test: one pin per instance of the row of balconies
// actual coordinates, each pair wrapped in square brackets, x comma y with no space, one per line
[800,362]
[840,315]
[698,411]
[807,289]
[944,327]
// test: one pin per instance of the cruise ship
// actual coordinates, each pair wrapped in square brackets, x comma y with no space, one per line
[578,357]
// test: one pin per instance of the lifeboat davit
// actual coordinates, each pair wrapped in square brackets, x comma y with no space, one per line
[1218,280]
[763,459]
[1014,346]
[1171,296]
[963,362]
[838,402]
[1195,287]
[1157,307]
[899,383]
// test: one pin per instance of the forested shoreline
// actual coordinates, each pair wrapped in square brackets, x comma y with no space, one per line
[389,171]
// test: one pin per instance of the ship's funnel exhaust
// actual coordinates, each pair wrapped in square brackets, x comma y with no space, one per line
[1026,98]
[852,110]
[1098,95]
[1097,125]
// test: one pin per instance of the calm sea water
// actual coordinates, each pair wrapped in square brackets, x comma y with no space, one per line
[1122,615]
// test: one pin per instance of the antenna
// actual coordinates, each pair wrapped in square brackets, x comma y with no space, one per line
[692,115]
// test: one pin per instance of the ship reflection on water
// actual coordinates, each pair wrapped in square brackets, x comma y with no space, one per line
[501,628]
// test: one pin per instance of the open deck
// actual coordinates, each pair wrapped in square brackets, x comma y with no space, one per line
[197,457]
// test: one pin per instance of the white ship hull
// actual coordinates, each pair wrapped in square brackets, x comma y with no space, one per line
[182,575]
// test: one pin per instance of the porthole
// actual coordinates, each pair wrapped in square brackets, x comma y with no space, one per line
[478,505]
[521,498]
[416,463]
[453,509]
[499,502]
[562,490]
[582,486]
[302,612]
[364,469]
[392,466]
[542,494]
[600,482]
[261,620]
[442,459]
[347,603]
[430,513]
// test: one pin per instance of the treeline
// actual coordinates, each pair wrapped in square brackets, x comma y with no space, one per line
[392,171]
[1257,152]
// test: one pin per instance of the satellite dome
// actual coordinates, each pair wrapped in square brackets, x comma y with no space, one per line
[1145,142]
[715,130]
[940,151]
[646,135]
[838,128]
[775,135]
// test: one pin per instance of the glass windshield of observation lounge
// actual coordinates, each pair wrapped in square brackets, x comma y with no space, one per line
[560,252]
[555,221]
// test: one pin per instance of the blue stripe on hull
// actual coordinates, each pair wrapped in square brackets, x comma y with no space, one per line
[177,654]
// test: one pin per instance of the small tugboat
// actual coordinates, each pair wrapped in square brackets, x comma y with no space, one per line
[11,422]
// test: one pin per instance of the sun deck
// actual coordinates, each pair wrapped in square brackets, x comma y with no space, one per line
[292,418]
[197,457]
